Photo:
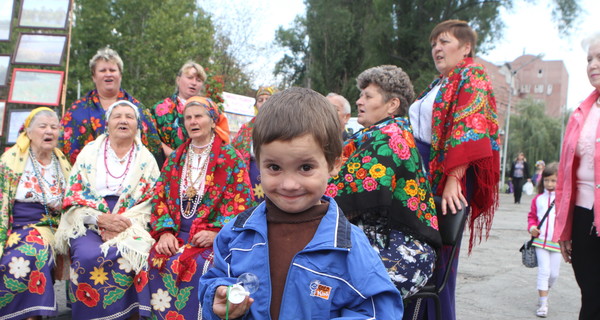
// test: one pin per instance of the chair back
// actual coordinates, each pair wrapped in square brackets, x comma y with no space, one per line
[451,225]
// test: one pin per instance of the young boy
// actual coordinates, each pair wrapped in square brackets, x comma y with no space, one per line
[311,262]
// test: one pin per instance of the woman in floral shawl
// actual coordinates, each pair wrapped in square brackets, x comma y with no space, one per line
[382,186]
[455,126]
[168,114]
[202,186]
[86,119]
[33,180]
[104,228]
[243,143]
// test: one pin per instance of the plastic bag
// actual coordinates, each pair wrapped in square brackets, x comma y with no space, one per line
[528,188]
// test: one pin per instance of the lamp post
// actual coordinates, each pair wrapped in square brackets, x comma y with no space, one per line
[512,73]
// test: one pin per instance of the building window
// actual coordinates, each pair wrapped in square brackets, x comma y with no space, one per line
[540,73]
[549,89]
[526,88]
[539,88]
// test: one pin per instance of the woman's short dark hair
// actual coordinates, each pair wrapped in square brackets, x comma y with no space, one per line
[295,112]
[460,30]
[392,81]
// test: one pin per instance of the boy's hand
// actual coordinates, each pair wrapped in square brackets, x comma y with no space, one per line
[235,310]
[534,231]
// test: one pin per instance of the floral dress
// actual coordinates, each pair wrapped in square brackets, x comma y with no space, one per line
[174,279]
[383,189]
[84,121]
[168,116]
[31,206]
[243,144]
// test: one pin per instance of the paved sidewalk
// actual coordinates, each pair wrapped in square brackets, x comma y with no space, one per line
[493,284]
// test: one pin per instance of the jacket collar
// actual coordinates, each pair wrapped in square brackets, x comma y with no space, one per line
[333,231]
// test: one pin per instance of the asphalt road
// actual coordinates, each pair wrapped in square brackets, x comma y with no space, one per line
[492,282]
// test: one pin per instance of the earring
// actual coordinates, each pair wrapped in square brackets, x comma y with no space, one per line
[258,178]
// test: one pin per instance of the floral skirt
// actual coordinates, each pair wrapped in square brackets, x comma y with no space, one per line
[409,262]
[26,283]
[175,293]
[104,286]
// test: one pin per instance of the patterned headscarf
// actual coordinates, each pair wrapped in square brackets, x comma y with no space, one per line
[23,140]
[221,124]
[264,91]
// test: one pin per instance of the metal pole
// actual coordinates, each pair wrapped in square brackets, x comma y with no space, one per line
[505,148]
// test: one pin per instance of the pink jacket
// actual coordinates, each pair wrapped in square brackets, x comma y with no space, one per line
[567,183]
[539,206]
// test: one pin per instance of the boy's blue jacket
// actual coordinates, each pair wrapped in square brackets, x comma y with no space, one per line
[336,276]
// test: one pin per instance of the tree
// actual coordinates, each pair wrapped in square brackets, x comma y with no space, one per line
[294,64]
[153,37]
[347,37]
[533,132]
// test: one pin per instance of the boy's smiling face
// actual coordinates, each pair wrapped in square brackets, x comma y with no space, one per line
[294,173]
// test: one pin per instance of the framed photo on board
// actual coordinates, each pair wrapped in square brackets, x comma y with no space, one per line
[4,64]
[6,15]
[40,49]
[44,14]
[2,116]
[33,86]
[15,122]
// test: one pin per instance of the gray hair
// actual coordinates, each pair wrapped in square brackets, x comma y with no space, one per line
[190,64]
[590,41]
[47,113]
[345,103]
[109,55]
[392,81]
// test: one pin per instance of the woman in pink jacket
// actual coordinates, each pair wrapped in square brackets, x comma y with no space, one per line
[578,190]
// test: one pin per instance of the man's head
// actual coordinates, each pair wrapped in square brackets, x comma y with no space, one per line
[342,106]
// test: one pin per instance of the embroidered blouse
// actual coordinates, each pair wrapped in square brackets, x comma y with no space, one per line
[50,189]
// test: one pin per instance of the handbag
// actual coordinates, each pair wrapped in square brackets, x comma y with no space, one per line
[528,256]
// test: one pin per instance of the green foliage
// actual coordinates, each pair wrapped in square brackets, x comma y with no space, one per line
[153,37]
[182,297]
[343,38]
[122,279]
[6,299]
[533,133]
[113,296]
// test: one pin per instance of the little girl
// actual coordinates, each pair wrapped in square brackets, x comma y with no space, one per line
[548,252]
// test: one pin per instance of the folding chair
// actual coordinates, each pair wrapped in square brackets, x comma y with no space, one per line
[451,229]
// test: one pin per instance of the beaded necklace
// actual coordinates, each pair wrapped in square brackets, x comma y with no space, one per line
[193,195]
[40,178]
[124,174]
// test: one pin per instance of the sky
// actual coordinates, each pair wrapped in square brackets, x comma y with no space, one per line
[529,30]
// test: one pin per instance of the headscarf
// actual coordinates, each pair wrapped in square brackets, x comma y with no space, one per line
[221,124]
[264,91]
[120,103]
[23,140]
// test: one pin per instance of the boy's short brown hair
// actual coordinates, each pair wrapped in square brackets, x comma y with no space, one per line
[295,112]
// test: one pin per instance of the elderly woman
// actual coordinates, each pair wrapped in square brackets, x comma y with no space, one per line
[86,119]
[104,228]
[33,180]
[168,114]
[456,131]
[203,185]
[243,143]
[382,185]
[577,191]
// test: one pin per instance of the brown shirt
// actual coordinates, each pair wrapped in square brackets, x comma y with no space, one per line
[288,234]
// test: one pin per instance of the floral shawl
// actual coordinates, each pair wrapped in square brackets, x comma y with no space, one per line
[85,120]
[169,122]
[465,132]
[227,192]
[243,141]
[81,200]
[12,165]
[383,178]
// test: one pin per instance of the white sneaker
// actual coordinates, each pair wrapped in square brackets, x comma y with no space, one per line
[542,311]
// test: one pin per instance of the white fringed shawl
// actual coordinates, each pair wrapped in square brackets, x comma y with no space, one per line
[81,200]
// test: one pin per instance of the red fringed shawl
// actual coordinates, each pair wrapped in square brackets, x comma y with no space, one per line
[227,193]
[465,132]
